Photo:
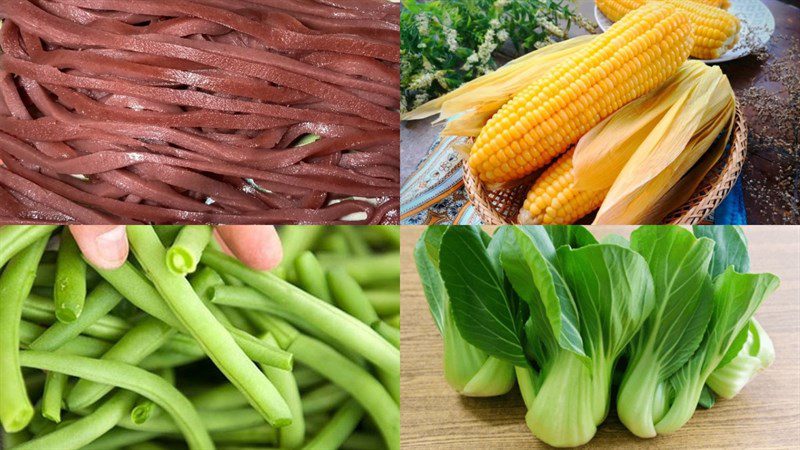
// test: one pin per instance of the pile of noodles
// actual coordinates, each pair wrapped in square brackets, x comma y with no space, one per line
[199,111]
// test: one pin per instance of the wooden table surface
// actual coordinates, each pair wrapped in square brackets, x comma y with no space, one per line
[772,172]
[766,414]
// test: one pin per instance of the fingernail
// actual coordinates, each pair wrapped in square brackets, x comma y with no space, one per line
[111,246]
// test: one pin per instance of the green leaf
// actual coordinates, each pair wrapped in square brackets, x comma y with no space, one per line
[614,293]
[536,280]
[730,247]
[737,296]
[485,315]
[575,236]
[615,239]
[679,264]
[426,255]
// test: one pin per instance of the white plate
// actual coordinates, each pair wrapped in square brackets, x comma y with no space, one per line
[756,19]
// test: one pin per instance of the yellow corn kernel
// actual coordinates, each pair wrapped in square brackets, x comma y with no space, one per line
[634,56]
[553,198]
[715,30]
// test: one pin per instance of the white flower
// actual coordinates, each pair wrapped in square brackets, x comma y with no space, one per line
[494,23]
[423,24]
[500,4]
[550,27]
[451,37]
[421,81]
[502,36]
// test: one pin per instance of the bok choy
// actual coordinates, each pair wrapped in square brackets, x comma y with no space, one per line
[669,313]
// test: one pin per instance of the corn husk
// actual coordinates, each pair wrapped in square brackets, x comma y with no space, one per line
[659,171]
[601,153]
[472,104]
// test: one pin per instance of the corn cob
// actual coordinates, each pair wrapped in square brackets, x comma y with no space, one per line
[553,198]
[634,56]
[715,31]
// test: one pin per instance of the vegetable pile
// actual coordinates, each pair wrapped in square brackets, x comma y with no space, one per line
[186,346]
[661,323]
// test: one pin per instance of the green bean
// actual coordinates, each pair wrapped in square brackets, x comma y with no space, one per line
[261,434]
[239,321]
[39,424]
[12,440]
[184,254]
[224,396]
[141,341]
[108,327]
[311,276]
[87,429]
[133,285]
[167,233]
[323,399]
[146,408]
[394,321]
[290,436]
[16,281]
[118,438]
[163,359]
[69,289]
[250,298]
[386,302]
[212,421]
[295,240]
[204,327]
[343,372]
[131,378]
[81,345]
[372,270]
[388,332]
[45,276]
[99,303]
[349,296]
[15,238]
[340,326]
[391,381]
[306,377]
[53,395]
[341,426]
[204,281]
[382,235]
[42,310]
[334,243]
[203,284]
[357,245]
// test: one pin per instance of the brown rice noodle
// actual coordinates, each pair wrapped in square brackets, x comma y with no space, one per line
[170,111]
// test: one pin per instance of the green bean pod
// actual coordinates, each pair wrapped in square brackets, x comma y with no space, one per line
[206,329]
[16,281]
[69,289]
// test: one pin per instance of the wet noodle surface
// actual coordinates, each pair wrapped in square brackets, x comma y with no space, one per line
[195,111]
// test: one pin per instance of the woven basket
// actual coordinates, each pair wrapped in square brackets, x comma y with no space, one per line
[500,207]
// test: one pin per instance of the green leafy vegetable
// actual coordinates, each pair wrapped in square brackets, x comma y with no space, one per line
[563,309]
[469,370]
